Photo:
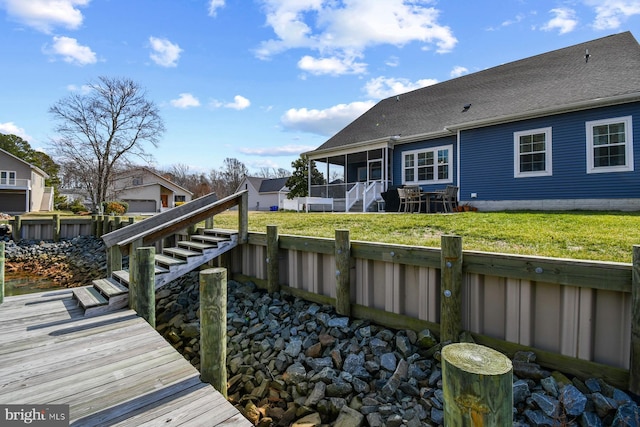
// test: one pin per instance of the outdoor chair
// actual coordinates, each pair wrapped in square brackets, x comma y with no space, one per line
[448,198]
[402,198]
[413,199]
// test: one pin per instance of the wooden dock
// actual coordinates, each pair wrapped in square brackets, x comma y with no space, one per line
[112,369]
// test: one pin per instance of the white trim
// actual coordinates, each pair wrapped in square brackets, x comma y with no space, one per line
[435,150]
[548,143]
[628,132]
[9,181]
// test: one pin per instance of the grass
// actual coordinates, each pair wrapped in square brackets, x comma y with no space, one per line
[604,236]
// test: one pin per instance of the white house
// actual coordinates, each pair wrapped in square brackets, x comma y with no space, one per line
[264,193]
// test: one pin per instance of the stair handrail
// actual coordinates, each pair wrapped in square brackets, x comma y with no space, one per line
[167,223]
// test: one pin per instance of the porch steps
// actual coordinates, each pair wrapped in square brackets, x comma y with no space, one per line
[112,293]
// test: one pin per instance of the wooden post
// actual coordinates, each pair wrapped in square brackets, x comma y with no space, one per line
[56,227]
[208,223]
[343,272]
[99,221]
[105,226]
[213,328]
[114,259]
[117,222]
[451,288]
[1,272]
[94,225]
[634,360]
[477,383]
[243,218]
[273,267]
[134,288]
[146,284]
[16,231]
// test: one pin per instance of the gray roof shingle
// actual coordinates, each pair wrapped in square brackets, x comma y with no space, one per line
[551,82]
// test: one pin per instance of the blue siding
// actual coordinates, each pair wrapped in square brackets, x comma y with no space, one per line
[487,159]
[399,150]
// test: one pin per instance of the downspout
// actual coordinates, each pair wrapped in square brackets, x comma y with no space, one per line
[458,162]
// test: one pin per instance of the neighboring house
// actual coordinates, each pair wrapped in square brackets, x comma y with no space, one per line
[22,186]
[560,130]
[146,191]
[264,193]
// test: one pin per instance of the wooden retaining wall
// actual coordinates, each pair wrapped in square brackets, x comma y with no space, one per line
[56,227]
[576,315]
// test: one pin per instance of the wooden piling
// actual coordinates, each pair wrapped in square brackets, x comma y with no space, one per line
[343,272]
[99,224]
[16,231]
[451,288]
[273,270]
[146,284]
[55,222]
[477,384]
[114,259]
[634,359]
[213,328]
[1,272]
[134,288]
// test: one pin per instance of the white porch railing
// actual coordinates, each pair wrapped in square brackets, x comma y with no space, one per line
[15,184]
[353,195]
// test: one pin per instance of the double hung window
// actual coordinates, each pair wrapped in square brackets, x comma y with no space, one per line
[7,178]
[431,165]
[609,145]
[532,153]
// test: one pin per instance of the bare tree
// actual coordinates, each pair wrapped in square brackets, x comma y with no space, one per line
[103,130]
[233,172]
[267,172]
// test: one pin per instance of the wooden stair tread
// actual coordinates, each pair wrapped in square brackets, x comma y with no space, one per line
[121,275]
[210,239]
[109,287]
[180,252]
[88,296]
[200,246]
[168,260]
[221,231]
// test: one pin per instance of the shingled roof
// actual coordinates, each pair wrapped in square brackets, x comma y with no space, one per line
[601,71]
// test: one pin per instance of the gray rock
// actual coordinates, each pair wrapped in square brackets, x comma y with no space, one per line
[627,415]
[573,401]
[548,405]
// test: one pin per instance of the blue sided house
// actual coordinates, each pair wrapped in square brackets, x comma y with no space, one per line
[560,130]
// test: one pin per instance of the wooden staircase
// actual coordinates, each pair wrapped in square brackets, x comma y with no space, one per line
[112,293]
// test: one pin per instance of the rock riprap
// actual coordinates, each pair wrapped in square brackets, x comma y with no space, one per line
[65,264]
[295,363]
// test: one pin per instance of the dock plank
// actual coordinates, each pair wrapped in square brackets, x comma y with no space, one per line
[111,368]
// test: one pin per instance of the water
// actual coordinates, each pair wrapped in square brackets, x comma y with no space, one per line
[21,283]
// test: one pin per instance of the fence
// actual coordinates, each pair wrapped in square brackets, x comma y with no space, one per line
[577,316]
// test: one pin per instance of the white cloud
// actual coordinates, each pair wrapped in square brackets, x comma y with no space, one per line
[70,51]
[458,71]
[393,61]
[164,53]
[239,103]
[10,128]
[324,122]
[610,14]
[333,66]
[83,89]
[564,20]
[346,29]
[185,100]
[214,5]
[44,15]
[384,87]
[284,150]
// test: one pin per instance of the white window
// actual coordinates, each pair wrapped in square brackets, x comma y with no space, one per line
[610,145]
[432,165]
[532,150]
[137,180]
[7,178]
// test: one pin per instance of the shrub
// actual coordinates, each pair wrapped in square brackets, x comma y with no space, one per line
[114,208]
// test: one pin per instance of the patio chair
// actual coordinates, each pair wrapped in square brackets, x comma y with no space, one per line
[413,199]
[448,198]
[402,198]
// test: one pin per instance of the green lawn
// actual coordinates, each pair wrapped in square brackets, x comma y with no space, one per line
[606,236]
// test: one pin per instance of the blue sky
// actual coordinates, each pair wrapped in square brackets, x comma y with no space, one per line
[265,80]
